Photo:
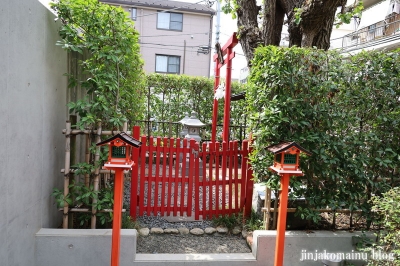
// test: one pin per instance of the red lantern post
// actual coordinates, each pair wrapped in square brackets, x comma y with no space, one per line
[119,159]
[286,164]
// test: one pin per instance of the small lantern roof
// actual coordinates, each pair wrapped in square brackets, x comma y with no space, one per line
[193,121]
[284,146]
[183,120]
[124,137]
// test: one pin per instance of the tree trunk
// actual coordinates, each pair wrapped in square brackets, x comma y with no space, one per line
[248,31]
[314,28]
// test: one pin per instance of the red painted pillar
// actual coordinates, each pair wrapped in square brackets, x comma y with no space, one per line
[227,107]
[116,228]
[215,106]
[280,238]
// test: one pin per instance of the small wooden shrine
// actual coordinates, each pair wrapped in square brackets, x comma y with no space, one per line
[119,152]
[286,157]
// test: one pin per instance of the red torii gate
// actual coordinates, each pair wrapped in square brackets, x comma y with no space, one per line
[227,50]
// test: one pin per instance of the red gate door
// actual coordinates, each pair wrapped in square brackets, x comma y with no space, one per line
[172,177]
[223,185]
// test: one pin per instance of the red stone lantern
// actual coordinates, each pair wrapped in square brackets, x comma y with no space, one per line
[119,159]
[286,164]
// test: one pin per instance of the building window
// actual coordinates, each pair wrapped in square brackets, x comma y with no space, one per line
[169,21]
[168,64]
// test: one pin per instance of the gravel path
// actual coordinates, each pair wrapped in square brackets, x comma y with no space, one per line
[157,221]
[179,244]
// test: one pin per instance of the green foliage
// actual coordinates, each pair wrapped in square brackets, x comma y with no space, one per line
[171,96]
[387,207]
[112,72]
[105,200]
[228,221]
[345,17]
[60,198]
[230,7]
[82,168]
[128,222]
[255,222]
[297,15]
[345,111]
[81,196]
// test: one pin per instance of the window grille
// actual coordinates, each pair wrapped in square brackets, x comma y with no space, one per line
[289,159]
[118,152]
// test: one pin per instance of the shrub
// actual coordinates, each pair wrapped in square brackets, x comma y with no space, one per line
[387,208]
[345,111]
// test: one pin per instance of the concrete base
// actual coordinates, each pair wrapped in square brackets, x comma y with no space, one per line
[66,247]
[308,249]
[227,259]
[82,247]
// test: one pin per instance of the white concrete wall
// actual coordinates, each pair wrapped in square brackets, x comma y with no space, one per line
[32,115]
[65,247]
[82,247]
[298,245]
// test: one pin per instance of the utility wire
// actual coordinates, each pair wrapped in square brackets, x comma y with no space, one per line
[171,49]
[172,45]
[170,35]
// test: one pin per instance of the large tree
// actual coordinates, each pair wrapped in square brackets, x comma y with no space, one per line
[309,22]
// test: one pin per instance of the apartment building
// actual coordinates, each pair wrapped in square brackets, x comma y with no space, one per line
[175,37]
[377,29]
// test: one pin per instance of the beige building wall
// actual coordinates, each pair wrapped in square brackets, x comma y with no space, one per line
[196,32]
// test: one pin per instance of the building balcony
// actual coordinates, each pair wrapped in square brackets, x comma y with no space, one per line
[384,34]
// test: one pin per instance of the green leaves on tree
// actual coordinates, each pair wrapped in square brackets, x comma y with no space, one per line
[111,68]
[345,110]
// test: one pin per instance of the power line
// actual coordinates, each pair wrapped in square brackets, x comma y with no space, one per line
[161,44]
[172,49]
[170,35]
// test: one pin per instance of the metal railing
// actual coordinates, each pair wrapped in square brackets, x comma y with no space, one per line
[381,30]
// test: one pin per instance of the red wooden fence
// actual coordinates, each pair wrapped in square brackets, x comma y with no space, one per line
[174,176]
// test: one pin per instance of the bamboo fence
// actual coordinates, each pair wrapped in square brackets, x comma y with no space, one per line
[267,210]
[68,172]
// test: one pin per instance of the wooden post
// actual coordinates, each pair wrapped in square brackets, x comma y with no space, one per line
[280,238]
[249,187]
[116,228]
[267,205]
[96,176]
[274,218]
[66,173]
[87,159]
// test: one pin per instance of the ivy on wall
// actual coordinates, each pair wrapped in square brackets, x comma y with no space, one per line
[346,111]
